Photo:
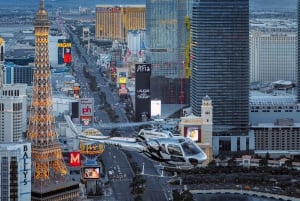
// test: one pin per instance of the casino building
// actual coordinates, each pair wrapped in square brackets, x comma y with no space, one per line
[15,171]
[113,22]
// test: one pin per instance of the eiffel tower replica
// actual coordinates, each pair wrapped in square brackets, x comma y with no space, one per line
[50,176]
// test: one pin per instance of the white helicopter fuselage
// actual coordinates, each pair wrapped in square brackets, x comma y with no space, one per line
[176,151]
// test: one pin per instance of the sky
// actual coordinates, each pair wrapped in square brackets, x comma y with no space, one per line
[254,4]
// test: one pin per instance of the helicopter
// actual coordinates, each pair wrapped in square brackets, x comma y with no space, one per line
[176,152]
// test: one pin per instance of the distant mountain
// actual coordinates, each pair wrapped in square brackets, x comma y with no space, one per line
[64,3]
[273,4]
[254,4]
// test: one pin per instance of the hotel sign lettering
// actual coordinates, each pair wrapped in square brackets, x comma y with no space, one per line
[25,170]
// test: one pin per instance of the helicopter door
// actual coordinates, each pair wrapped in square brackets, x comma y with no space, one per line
[176,153]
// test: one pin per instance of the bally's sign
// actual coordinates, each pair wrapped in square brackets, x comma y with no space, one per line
[25,164]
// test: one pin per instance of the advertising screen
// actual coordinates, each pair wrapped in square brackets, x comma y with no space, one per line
[142,91]
[86,106]
[75,159]
[155,108]
[86,120]
[64,51]
[193,132]
[91,172]
[67,55]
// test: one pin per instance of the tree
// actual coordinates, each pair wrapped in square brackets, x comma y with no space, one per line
[212,164]
[138,198]
[183,196]
[138,184]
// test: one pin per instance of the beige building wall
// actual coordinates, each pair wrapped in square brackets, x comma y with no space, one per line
[113,22]
[204,125]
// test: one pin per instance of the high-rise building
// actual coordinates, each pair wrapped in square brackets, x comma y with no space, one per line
[15,168]
[50,179]
[18,74]
[113,22]
[298,72]
[220,63]
[15,160]
[167,37]
[13,112]
[1,61]
[273,56]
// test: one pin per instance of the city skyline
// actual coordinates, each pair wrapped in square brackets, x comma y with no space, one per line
[219,73]
[254,4]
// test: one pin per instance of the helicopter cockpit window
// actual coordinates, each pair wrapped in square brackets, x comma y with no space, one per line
[163,148]
[154,144]
[190,148]
[174,150]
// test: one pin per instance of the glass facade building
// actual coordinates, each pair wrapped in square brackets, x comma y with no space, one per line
[298,71]
[166,36]
[220,62]
[18,74]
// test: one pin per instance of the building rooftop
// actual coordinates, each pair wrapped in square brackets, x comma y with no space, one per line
[259,99]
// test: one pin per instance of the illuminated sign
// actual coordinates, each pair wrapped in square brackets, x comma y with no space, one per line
[64,44]
[25,170]
[108,9]
[91,172]
[193,132]
[86,109]
[75,159]
[113,10]
[95,148]
[142,91]
[86,106]
[155,108]
[67,55]
[122,80]
[123,90]
[86,120]
[64,51]
[140,68]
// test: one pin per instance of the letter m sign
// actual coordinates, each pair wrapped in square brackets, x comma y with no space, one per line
[75,159]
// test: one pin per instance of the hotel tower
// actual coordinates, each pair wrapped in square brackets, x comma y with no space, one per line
[220,63]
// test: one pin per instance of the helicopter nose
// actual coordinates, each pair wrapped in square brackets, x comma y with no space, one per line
[193,161]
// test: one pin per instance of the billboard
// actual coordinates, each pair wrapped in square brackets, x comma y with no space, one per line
[67,55]
[64,51]
[91,172]
[86,106]
[76,89]
[1,49]
[89,148]
[193,132]
[155,108]
[75,159]
[123,90]
[74,110]
[122,80]
[142,91]
[86,110]
[85,120]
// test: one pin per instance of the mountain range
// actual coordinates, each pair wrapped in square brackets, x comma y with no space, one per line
[254,4]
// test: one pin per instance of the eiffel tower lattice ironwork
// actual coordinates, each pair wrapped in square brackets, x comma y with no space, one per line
[47,159]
